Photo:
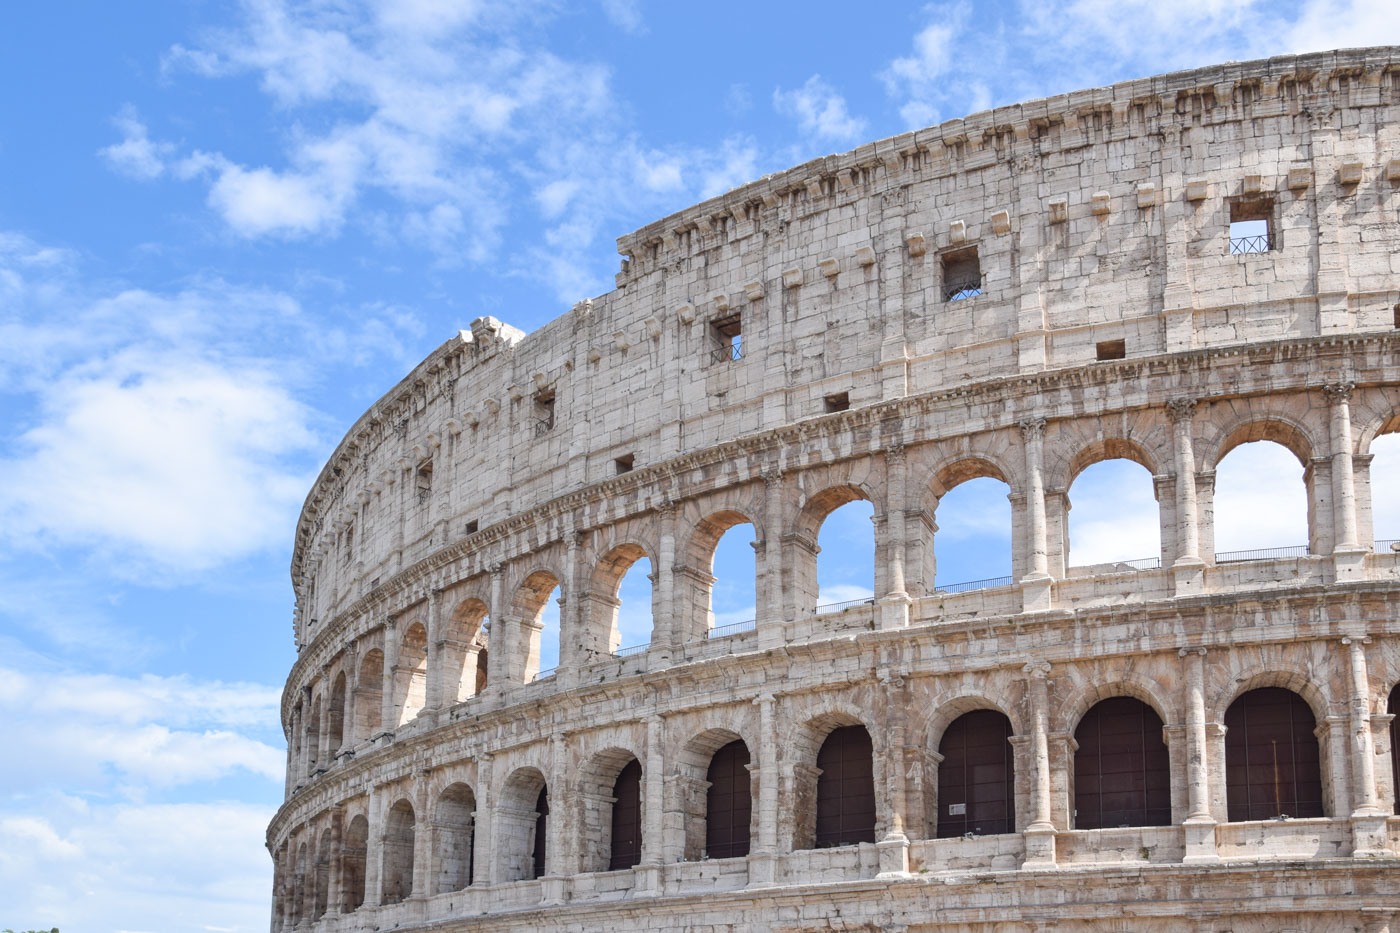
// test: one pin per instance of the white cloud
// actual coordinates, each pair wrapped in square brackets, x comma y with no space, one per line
[1344,24]
[819,111]
[625,14]
[1114,514]
[136,155]
[262,201]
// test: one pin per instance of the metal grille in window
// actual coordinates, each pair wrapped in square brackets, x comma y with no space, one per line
[732,351]
[544,425]
[1261,243]
[956,291]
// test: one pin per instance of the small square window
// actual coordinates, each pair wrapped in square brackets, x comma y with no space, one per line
[962,274]
[1251,226]
[544,412]
[1111,350]
[1396,309]
[471,527]
[728,336]
[838,402]
[625,463]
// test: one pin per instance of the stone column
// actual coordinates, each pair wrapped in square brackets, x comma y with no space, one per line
[433,700]
[573,611]
[1036,584]
[1040,832]
[895,603]
[1199,824]
[775,609]
[1188,568]
[374,848]
[894,848]
[763,856]
[1368,820]
[498,644]
[483,859]
[649,869]
[1348,556]
[664,636]
[388,718]
[422,837]
[552,883]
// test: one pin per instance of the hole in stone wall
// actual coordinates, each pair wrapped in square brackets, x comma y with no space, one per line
[728,333]
[1251,225]
[962,274]
[625,463]
[1396,309]
[544,412]
[471,527]
[840,401]
[1110,349]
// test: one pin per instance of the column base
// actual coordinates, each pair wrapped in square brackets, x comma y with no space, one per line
[894,611]
[1370,837]
[893,851]
[552,890]
[1037,592]
[648,881]
[1200,841]
[762,869]
[1189,574]
[1040,848]
[1349,563]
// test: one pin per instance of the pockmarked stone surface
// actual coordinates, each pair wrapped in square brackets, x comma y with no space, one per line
[1159,270]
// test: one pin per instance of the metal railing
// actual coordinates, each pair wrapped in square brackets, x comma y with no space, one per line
[1262,243]
[1388,545]
[726,353]
[631,650]
[957,291]
[543,675]
[721,631]
[1267,553]
[543,426]
[974,585]
[848,604]
[1141,563]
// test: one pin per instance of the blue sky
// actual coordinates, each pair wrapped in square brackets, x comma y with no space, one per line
[226,228]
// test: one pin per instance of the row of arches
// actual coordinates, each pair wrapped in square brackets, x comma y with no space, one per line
[1120,776]
[429,659]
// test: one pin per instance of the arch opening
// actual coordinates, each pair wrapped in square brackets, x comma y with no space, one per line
[728,572]
[1392,707]
[977,776]
[352,864]
[1272,762]
[335,715]
[463,650]
[1260,503]
[1384,490]
[845,804]
[1114,521]
[369,695]
[626,835]
[972,544]
[1122,775]
[517,829]
[539,857]
[323,875]
[454,828]
[621,601]
[537,608]
[845,558]
[411,674]
[728,802]
[396,882]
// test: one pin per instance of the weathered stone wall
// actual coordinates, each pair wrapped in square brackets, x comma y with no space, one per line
[490,475]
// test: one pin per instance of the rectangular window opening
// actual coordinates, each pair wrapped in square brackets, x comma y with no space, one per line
[962,274]
[1397,317]
[471,527]
[424,480]
[625,463]
[840,401]
[1111,349]
[728,333]
[1251,226]
[544,412]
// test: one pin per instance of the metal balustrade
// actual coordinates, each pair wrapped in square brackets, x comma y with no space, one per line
[721,631]
[957,291]
[970,585]
[631,650]
[1268,553]
[848,604]
[1388,545]
[545,674]
[1262,243]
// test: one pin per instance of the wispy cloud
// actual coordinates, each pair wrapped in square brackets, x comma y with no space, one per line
[820,111]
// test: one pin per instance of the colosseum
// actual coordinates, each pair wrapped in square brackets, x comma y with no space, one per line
[1200,742]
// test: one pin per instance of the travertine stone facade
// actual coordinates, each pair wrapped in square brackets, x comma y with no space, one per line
[1018,295]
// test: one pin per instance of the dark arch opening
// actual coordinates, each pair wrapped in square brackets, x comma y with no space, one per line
[728,802]
[1393,708]
[1122,776]
[397,883]
[626,849]
[541,831]
[1272,766]
[977,776]
[845,788]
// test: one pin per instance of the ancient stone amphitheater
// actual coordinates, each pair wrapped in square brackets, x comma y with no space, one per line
[1202,742]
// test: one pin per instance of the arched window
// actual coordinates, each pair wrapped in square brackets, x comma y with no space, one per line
[845,788]
[973,541]
[728,807]
[481,666]
[632,623]
[454,830]
[1260,502]
[1272,766]
[734,565]
[1121,773]
[299,892]
[1393,708]
[517,829]
[536,652]
[976,778]
[1385,490]
[397,882]
[1114,518]
[352,863]
[626,849]
[411,675]
[461,650]
[541,832]
[313,738]
[335,715]
[323,874]
[846,555]
[369,695]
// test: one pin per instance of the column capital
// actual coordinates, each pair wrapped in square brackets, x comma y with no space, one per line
[1185,652]
[496,569]
[1181,409]
[1032,428]
[894,453]
[1038,669]
[772,476]
[1338,392]
[1356,640]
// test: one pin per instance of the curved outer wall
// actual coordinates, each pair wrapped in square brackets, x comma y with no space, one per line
[492,473]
